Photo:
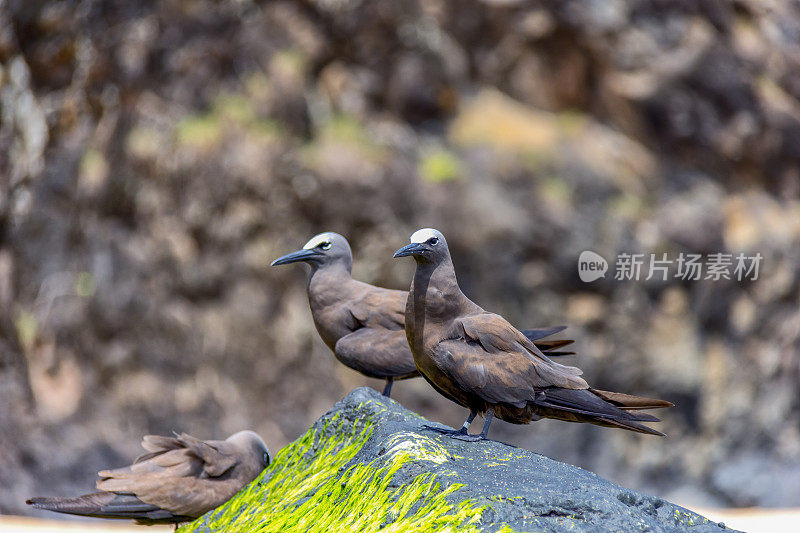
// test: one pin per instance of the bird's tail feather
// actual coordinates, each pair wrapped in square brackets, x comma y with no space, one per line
[586,406]
[628,401]
[538,333]
[107,505]
[631,426]
[87,504]
[549,347]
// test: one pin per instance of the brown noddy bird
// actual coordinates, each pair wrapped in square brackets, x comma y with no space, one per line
[178,480]
[480,361]
[362,324]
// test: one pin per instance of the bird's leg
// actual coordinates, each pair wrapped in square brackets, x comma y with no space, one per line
[467,422]
[462,434]
[487,423]
[387,390]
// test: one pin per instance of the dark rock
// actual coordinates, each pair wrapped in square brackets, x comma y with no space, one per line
[519,489]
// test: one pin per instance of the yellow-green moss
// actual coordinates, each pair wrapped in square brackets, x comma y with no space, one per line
[343,138]
[438,166]
[555,190]
[85,285]
[346,129]
[203,131]
[305,490]
[27,328]
[627,206]
[690,519]
[229,112]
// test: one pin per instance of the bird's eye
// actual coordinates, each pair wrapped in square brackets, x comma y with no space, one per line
[325,246]
[433,241]
[266,458]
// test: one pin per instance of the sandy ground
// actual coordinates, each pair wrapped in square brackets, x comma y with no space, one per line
[754,520]
[24,524]
[750,520]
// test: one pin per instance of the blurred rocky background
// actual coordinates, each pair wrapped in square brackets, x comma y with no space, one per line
[156,156]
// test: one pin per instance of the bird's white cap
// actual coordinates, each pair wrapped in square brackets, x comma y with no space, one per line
[316,240]
[424,234]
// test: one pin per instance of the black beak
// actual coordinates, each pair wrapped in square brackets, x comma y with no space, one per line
[410,249]
[294,257]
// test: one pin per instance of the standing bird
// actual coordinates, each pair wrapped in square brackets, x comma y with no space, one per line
[180,479]
[362,324]
[480,361]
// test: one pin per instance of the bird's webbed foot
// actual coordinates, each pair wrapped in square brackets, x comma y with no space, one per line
[460,434]
[466,437]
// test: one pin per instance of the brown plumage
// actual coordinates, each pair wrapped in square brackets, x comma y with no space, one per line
[480,361]
[178,480]
[362,324]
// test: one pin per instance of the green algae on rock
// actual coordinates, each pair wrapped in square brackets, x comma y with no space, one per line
[314,485]
[371,465]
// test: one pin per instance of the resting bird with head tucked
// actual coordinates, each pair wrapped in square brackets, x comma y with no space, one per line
[480,361]
[362,324]
[180,479]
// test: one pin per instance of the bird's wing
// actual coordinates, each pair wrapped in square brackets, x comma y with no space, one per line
[216,458]
[186,453]
[182,496]
[485,354]
[178,475]
[376,352]
[495,334]
[490,378]
[380,307]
